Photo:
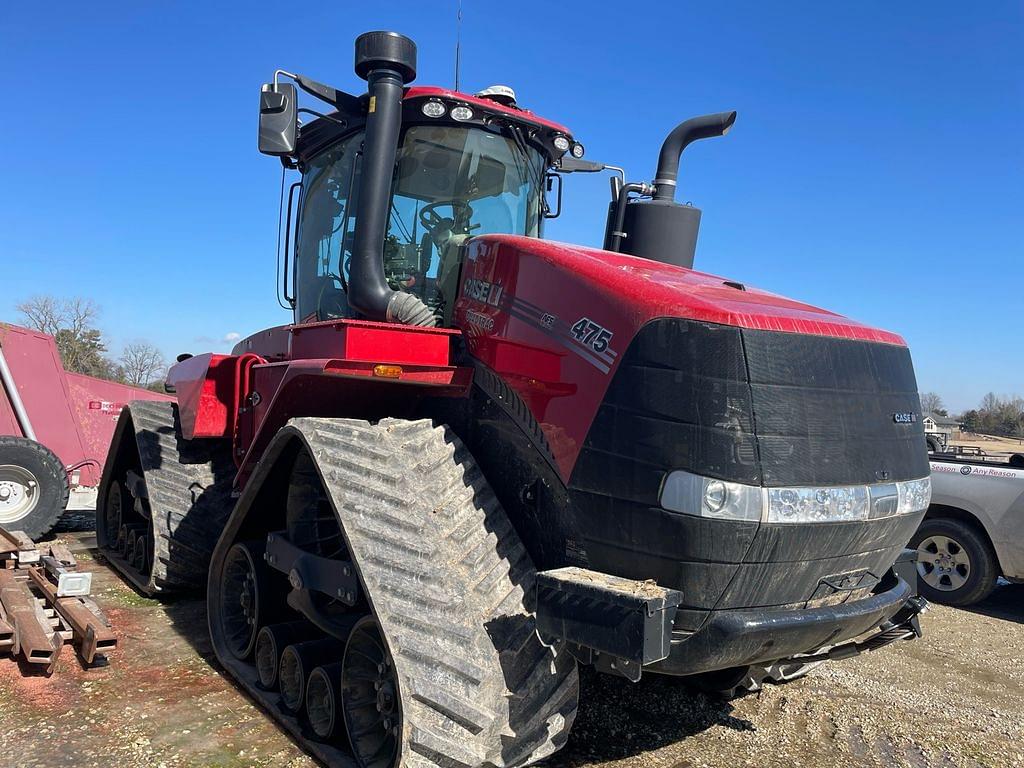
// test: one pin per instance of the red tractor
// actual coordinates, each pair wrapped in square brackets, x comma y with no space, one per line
[478,459]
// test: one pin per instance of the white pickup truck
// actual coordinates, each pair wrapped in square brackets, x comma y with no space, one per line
[974,530]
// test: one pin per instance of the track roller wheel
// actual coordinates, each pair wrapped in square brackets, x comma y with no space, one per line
[242,594]
[369,697]
[323,692]
[126,539]
[143,545]
[271,642]
[297,663]
[112,510]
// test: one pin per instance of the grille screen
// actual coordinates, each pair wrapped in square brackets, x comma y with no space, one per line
[755,407]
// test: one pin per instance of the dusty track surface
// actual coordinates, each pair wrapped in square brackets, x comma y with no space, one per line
[955,698]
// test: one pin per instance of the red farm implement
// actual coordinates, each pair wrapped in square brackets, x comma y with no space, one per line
[55,428]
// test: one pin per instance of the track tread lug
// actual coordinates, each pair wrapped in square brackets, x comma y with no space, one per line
[431,540]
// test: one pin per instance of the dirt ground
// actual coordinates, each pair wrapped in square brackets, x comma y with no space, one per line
[951,699]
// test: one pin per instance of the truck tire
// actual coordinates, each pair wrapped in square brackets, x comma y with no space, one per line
[33,487]
[955,562]
[934,446]
[448,595]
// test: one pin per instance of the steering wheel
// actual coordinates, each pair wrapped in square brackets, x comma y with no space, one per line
[432,220]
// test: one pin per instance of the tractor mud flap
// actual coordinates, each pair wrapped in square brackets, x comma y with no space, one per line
[449,583]
[187,487]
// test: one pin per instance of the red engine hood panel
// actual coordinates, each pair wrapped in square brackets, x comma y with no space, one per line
[646,289]
[552,321]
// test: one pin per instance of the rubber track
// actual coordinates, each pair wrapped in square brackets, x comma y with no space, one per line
[450,583]
[189,487]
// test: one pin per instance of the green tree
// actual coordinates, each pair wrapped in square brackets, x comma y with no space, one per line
[72,323]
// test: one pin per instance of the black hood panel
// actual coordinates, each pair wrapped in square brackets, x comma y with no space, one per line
[756,407]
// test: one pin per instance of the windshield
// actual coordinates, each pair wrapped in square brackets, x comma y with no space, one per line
[451,182]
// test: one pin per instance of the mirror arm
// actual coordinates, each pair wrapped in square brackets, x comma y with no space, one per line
[343,102]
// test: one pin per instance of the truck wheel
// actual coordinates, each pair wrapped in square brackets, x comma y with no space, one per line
[33,487]
[934,446]
[956,564]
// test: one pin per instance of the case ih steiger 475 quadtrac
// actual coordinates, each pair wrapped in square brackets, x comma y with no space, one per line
[478,459]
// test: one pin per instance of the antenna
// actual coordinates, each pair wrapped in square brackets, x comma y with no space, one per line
[458,44]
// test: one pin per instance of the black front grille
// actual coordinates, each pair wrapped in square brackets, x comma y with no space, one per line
[757,407]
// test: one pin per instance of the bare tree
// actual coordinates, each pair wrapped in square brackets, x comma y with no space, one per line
[72,324]
[141,363]
[931,403]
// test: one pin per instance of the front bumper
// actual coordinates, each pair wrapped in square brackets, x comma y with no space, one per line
[625,627]
[737,638]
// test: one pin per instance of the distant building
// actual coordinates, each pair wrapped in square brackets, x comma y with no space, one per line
[941,425]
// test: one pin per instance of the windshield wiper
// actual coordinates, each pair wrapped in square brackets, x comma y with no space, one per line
[516,132]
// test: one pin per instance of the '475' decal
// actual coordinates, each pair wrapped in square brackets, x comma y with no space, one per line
[587,332]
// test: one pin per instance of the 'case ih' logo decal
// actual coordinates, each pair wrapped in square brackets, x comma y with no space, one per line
[905,417]
[482,291]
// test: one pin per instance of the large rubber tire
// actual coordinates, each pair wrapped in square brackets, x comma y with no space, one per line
[23,460]
[934,446]
[943,535]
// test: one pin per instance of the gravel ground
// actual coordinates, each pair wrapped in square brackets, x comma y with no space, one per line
[953,698]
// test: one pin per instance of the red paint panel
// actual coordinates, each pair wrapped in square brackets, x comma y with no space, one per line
[641,290]
[337,389]
[361,340]
[205,386]
[38,374]
[72,415]
[97,405]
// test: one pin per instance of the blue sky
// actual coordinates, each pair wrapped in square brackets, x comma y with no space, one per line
[875,168]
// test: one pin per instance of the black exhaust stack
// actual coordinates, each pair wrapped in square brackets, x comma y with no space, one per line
[387,61]
[660,228]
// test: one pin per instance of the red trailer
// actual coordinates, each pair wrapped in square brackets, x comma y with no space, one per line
[55,428]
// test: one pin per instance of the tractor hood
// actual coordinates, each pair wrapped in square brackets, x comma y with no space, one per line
[560,323]
[643,290]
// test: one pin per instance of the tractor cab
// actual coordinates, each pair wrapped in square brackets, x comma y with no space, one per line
[452,180]
[463,165]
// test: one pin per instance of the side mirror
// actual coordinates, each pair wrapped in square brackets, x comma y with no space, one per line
[570,164]
[278,119]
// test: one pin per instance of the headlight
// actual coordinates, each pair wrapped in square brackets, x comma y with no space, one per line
[433,109]
[914,495]
[709,497]
[817,505]
[561,143]
[462,113]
